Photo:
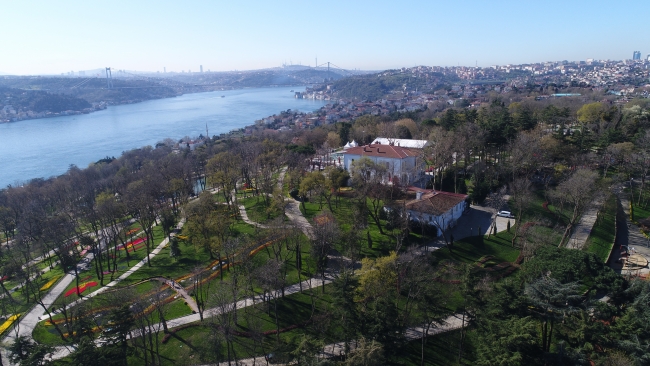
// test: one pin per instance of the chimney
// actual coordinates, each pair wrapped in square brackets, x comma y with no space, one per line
[418,195]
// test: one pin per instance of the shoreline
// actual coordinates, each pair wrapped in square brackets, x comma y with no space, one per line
[104,105]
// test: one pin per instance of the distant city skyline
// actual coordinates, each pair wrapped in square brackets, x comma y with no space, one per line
[54,38]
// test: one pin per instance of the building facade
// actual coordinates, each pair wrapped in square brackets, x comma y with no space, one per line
[402,164]
[440,210]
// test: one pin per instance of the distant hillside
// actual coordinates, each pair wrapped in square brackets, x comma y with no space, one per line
[94,90]
[257,78]
[40,101]
[377,86]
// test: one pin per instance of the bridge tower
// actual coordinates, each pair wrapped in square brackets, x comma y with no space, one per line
[109,78]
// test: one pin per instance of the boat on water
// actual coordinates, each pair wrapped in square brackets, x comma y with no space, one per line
[291,91]
[223,96]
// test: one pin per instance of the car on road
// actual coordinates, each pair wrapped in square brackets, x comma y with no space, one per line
[507,214]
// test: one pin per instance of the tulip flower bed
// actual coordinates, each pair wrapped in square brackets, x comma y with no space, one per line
[49,283]
[8,323]
[133,231]
[81,288]
[134,245]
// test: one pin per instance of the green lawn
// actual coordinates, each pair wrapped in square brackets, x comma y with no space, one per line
[256,209]
[601,238]
[641,211]
[344,212]
[471,249]
[535,210]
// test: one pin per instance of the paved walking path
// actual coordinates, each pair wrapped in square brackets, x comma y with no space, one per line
[629,236]
[181,291]
[244,217]
[582,231]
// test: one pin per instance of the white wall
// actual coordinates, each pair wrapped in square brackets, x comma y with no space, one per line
[396,167]
[444,221]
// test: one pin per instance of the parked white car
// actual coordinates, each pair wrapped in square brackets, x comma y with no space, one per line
[507,214]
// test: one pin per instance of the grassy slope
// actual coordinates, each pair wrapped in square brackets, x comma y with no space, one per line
[471,249]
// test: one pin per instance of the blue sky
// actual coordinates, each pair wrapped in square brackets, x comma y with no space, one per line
[53,37]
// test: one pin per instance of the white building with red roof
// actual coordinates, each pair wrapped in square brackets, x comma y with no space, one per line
[437,209]
[401,163]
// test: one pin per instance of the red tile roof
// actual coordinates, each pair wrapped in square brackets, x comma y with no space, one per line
[436,203]
[388,151]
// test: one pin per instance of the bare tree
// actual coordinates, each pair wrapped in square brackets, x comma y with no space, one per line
[326,234]
[223,318]
[521,197]
[269,278]
[578,191]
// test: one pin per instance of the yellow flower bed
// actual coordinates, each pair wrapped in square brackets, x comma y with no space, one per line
[49,283]
[8,322]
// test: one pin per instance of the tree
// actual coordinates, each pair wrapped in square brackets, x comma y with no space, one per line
[174,249]
[378,294]
[224,319]
[521,197]
[223,171]
[590,113]
[7,223]
[338,178]
[120,322]
[316,184]
[367,353]
[333,139]
[208,225]
[552,301]
[495,201]
[616,154]
[325,234]
[144,206]
[345,309]
[25,352]
[368,178]
[307,350]
[510,342]
[270,279]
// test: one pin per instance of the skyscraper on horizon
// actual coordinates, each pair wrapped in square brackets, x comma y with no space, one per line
[201,68]
[636,55]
